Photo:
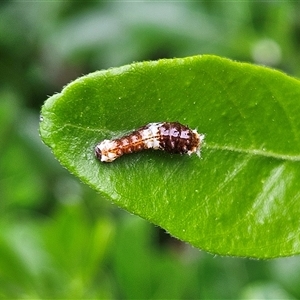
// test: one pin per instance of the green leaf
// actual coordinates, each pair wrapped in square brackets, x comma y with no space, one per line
[241,198]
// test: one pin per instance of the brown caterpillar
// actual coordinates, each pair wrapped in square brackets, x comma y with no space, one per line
[171,137]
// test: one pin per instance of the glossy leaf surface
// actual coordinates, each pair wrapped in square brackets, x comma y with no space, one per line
[242,197]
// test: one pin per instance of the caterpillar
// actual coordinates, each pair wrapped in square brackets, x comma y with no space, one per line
[171,137]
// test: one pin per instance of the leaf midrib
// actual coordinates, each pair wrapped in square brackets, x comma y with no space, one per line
[255,152]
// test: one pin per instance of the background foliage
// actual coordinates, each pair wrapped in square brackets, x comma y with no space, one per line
[60,239]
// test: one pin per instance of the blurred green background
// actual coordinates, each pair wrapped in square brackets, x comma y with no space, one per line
[58,238]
